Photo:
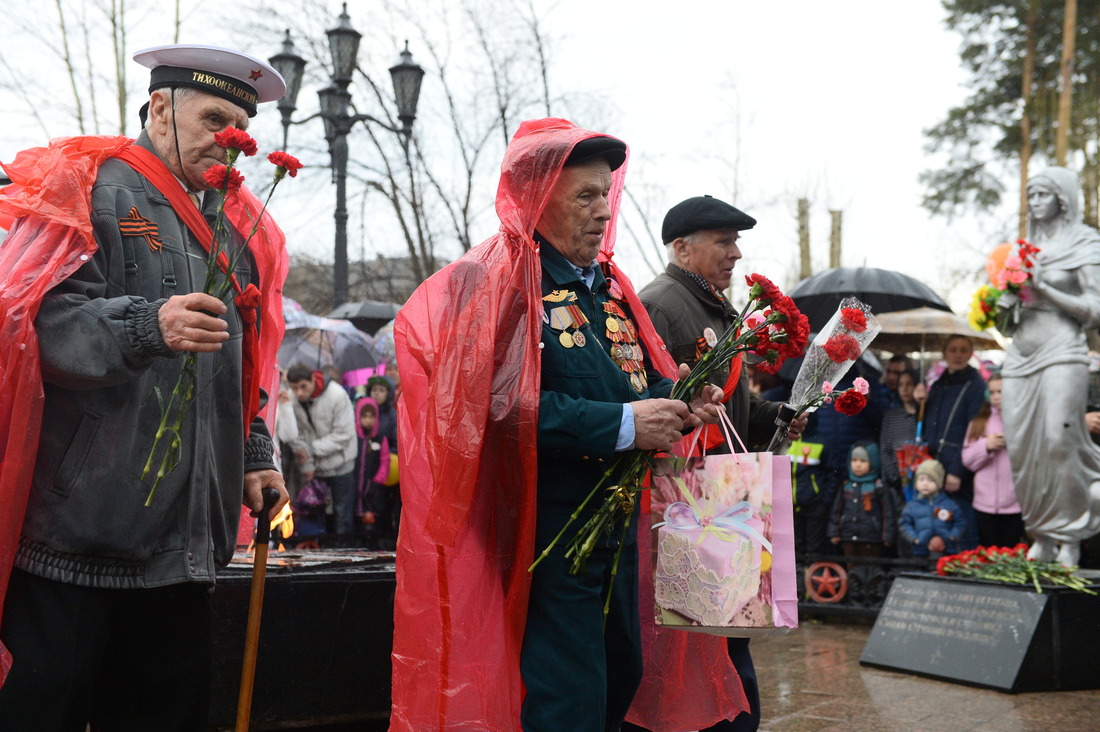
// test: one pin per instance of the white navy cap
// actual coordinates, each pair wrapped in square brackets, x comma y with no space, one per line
[237,77]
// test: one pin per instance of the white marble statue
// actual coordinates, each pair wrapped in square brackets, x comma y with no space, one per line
[1055,465]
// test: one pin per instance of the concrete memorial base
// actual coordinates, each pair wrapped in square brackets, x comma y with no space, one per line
[991,634]
[324,645]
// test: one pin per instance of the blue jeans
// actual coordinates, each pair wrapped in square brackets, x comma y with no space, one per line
[343,501]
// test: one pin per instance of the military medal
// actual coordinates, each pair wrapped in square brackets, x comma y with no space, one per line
[625,351]
[578,339]
[561,318]
[565,339]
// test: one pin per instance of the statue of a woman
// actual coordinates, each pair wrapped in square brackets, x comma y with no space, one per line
[1055,465]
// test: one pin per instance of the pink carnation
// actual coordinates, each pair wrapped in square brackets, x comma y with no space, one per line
[861,385]
[826,388]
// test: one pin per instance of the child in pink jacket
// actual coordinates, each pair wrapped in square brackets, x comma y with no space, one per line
[998,513]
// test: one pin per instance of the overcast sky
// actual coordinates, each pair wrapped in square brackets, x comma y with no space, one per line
[833,98]
[771,100]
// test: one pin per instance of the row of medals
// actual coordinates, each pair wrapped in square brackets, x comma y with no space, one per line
[620,331]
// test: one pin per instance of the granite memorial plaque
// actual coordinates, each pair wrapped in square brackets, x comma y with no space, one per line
[1005,637]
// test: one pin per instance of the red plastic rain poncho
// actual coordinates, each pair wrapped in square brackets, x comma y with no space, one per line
[467,349]
[50,198]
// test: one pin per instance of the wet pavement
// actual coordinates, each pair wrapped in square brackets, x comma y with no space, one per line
[811,681]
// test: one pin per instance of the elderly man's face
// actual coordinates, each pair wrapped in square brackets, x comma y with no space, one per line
[578,211]
[711,254]
[198,119]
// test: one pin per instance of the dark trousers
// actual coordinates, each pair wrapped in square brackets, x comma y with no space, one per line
[581,676]
[809,529]
[1000,529]
[121,660]
[344,501]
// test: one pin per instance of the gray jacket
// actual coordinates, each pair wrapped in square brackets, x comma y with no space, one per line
[326,429]
[105,365]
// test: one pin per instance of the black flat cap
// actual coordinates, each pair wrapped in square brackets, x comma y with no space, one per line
[609,148]
[700,213]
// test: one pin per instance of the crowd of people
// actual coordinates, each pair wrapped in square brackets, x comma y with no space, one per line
[530,364]
[923,471]
[338,449]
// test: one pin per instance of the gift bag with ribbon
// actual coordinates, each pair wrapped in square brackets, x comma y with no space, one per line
[724,548]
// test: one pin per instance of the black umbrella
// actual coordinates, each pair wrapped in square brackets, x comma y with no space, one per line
[884,290]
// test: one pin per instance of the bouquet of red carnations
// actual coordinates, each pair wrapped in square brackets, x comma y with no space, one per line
[832,353]
[770,329]
[221,260]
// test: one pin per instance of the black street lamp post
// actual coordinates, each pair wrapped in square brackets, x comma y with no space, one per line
[335,101]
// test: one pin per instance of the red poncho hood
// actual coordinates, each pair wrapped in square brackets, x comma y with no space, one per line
[468,351]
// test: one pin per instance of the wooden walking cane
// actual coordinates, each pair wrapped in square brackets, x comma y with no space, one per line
[255,608]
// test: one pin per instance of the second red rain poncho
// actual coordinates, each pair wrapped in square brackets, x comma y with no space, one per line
[468,352]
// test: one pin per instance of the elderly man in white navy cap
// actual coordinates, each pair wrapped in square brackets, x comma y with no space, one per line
[107,617]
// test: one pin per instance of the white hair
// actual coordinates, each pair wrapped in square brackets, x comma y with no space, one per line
[691,239]
[181,95]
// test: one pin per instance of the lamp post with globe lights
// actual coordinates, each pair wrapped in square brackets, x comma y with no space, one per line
[335,103]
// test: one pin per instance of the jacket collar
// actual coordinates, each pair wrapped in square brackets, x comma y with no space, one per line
[560,270]
[723,306]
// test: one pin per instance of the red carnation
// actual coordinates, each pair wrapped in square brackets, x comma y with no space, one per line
[853,319]
[232,138]
[762,289]
[797,327]
[223,178]
[286,163]
[842,347]
[850,403]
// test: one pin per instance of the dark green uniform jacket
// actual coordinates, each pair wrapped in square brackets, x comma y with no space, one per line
[583,391]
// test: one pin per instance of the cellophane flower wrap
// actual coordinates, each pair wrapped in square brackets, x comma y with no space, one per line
[221,260]
[771,329]
[843,340]
[1009,274]
[1011,565]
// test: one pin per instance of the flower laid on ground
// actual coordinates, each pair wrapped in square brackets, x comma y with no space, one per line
[771,328]
[1004,564]
[836,347]
[1009,274]
[220,262]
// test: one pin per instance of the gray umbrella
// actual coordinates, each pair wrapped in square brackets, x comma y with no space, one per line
[884,290]
[319,342]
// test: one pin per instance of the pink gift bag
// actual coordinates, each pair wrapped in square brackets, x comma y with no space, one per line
[724,547]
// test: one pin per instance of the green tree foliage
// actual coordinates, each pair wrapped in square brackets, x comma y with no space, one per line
[981,138]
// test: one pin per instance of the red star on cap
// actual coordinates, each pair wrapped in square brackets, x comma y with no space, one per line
[256,74]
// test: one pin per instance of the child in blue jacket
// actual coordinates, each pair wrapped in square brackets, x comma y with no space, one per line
[931,524]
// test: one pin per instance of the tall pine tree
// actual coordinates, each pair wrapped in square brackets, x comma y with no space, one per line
[981,137]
